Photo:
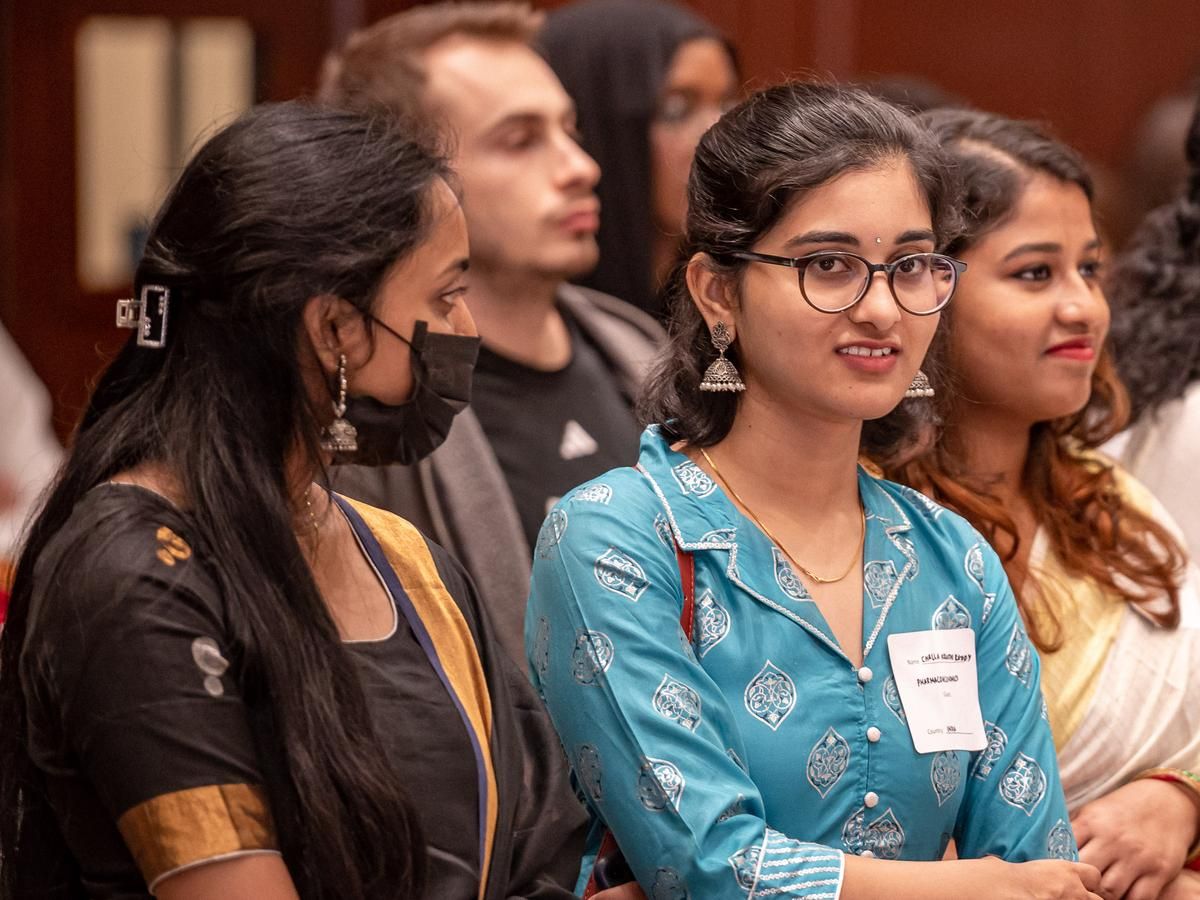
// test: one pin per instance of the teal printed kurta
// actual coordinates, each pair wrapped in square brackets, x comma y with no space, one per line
[746,761]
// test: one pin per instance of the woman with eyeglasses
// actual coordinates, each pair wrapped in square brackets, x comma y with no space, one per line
[774,674]
[1098,569]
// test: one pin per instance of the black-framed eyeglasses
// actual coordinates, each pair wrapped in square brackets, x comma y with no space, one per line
[832,281]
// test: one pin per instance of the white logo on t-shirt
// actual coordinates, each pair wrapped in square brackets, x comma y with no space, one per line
[576,443]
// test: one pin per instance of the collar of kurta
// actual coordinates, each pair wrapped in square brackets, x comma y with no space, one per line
[699,517]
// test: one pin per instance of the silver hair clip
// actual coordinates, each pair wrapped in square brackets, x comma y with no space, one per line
[147,314]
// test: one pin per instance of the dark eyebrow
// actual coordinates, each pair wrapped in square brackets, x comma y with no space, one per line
[512,120]
[821,237]
[913,235]
[1033,248]
[1094,244]
[458,267]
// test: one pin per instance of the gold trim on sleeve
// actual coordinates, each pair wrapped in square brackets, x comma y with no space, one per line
[185,827]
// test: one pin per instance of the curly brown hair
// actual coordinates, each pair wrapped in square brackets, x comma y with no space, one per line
[1075,495]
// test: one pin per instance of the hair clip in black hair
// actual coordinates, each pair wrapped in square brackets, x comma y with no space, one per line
[147,314]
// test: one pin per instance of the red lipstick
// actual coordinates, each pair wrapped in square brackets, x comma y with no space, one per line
[1078,349]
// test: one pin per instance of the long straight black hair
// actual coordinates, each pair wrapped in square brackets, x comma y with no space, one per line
[289,202]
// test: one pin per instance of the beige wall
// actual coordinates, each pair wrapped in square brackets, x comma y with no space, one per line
[127,136]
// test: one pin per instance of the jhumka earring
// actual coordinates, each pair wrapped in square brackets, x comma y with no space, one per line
[339,435]
[722,375]
[920,386]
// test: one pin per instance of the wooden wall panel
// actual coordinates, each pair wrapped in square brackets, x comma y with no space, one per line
[64,331]
[1090,67]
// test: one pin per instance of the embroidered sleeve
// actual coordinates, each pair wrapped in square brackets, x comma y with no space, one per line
[651,739]
[139,694]
[1014,805]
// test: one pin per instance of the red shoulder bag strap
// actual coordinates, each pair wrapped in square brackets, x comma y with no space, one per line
[687,576]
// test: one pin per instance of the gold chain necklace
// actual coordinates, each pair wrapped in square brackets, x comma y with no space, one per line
[757,521]
[314,526]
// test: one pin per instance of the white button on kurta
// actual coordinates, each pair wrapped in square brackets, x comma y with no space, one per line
[871,800]
[866,854]
[874,734]
[865,674]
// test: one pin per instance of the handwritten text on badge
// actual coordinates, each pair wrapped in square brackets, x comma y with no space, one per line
[938,681]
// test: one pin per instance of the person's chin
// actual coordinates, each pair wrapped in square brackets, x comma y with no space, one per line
[874,404]
[573,259]
[1061,404]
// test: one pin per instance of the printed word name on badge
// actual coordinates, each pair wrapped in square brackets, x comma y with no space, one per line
[938,681]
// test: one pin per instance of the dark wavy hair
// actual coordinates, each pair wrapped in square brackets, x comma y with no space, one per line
[750,167]
[1155,292]
[1094,533]
[288,202]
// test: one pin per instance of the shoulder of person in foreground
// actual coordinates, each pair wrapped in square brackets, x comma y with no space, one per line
[121,593]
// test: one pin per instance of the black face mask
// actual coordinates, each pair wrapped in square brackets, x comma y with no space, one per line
[442,365]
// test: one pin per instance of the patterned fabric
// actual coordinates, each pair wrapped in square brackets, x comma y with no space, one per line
[747,768]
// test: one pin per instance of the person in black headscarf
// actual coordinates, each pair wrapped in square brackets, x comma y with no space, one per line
[648,78]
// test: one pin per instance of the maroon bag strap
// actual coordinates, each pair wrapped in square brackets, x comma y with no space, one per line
[687,576]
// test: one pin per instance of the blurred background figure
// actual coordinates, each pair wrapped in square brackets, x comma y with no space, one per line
[1155,294]
[551,402]
[648,78]
[1155,170]
[29,453]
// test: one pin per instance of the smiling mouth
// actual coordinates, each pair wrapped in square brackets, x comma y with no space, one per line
[866,351]
[1083,350]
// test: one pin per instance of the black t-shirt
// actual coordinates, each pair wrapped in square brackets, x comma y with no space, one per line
[552,431]
[137,719]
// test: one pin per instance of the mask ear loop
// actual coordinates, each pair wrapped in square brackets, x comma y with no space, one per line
[420,329]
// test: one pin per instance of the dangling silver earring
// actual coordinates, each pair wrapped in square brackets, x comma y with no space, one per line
[920,386]
[722,375]
[339,435]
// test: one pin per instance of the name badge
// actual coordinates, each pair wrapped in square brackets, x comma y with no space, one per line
[936,675]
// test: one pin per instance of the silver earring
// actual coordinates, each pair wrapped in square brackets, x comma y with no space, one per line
[920,386]
[339,435]
[722,375]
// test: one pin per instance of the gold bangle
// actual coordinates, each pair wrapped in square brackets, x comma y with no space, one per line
[1187,780]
